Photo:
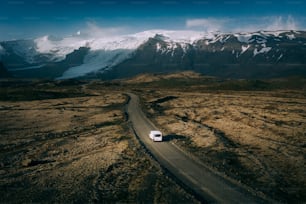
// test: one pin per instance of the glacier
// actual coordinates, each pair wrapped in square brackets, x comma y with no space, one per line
[96,61]
[59,48]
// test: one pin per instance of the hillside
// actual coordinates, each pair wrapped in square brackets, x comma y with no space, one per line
[3,72]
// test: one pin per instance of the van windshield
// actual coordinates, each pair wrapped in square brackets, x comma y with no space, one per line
[157,135]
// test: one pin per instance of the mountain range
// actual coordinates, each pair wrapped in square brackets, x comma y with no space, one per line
[262,54]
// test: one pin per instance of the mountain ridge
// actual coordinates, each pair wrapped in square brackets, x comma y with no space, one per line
[263,54]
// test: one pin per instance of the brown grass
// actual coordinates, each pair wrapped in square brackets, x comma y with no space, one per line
[146,78]
[77,150]
[257,138]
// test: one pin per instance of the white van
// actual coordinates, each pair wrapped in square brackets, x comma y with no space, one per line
[156,135]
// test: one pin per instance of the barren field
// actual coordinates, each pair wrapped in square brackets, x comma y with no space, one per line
[74,145]
[69,141]
[256,137]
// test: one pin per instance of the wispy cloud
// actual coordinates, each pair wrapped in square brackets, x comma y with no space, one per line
[245,24]
[93,30]
[207,24]
[281,23]
[270,23]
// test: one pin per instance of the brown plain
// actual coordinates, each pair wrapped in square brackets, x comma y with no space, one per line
[77,149]
[256,137]
[74,144]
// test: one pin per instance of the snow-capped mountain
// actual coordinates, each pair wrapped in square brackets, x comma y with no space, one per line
[256,54]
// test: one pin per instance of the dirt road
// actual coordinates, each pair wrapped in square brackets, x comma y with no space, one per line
[206,184]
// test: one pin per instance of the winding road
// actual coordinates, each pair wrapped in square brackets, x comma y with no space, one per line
[207,185]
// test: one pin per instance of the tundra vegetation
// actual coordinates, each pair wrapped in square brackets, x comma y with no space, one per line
[70,141]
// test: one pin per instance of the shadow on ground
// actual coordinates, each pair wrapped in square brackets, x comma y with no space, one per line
[170,137]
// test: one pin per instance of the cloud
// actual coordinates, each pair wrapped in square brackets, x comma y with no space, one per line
[271,23]
[246,24]
[280,23]
[93,30]
[207,24]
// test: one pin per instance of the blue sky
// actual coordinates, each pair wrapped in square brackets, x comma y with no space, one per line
[34,18]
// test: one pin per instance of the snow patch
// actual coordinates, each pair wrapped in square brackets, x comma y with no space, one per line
[290,36]
[274,33]
[224,40]
[243,38]
[216,38]
[178,36]
[158,46]
[185,47]
[170,47]
[259,36]
[279,57]
[263,50]
[244,49]
[160,49]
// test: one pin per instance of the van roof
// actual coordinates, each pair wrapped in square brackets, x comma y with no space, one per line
[155,132]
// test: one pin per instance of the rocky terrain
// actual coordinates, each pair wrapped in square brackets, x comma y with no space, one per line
[70,142]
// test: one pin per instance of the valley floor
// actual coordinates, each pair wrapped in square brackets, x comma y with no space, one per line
[69,141]
[255,137]
[75,148]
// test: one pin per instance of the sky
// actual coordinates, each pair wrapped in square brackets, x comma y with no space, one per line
[23,19]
